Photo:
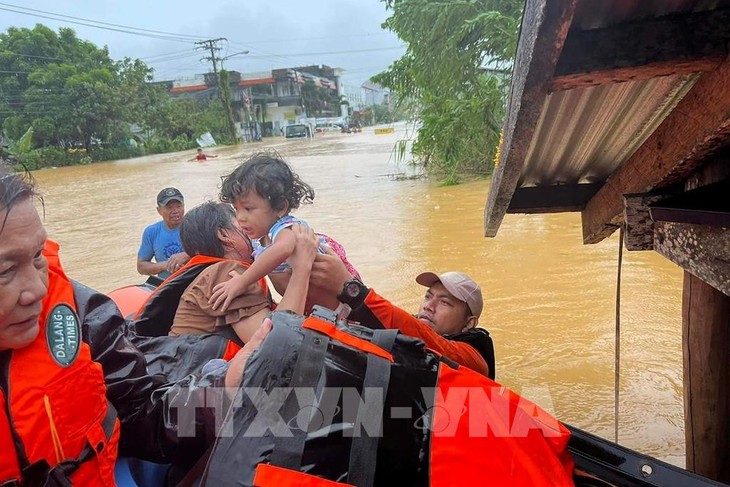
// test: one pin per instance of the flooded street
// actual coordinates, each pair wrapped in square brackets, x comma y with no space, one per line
[549,301]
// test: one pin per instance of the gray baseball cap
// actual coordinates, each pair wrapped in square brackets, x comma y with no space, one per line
[460,285]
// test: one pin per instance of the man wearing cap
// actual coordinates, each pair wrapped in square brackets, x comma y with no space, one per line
[446,321]
[161,240]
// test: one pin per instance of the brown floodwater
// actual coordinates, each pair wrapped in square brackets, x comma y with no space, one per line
[549,300]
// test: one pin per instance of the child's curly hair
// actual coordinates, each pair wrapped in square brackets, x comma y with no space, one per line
[271,177]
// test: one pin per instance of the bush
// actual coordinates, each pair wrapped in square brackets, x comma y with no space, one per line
[49,157]
[115,153]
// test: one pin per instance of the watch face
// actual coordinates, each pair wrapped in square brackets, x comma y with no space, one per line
[353,289]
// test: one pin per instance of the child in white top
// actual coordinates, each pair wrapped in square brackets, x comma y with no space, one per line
[263,191]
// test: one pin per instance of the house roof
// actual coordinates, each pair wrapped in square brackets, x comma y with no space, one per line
[610,97]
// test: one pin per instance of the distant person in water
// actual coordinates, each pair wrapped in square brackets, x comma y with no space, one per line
[202,156]
[161,240]
[264,190]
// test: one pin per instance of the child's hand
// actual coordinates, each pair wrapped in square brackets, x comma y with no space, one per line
[225,292]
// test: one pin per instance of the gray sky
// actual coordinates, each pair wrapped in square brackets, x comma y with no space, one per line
[277,33]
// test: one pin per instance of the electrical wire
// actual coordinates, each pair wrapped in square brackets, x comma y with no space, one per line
[617,358]
[165,36]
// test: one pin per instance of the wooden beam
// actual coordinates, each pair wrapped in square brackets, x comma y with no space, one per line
[545,25]
[698,126]
[639,225]
[702,250]
[705,338]
[552,199]
[715,171]
[645,49]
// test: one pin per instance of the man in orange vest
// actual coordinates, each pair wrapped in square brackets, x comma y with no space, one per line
[446,321]
[70,381]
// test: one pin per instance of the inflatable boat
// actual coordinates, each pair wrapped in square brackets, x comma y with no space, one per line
[592,461]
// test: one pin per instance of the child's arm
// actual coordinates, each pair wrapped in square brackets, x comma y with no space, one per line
[301,260]
[295,296]
[278,252]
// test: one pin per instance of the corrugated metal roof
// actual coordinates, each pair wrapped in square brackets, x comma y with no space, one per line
[568,130]
[584,134]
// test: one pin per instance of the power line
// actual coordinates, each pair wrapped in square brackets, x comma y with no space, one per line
[150,58]
[166,36]
[31,55]
[352,51]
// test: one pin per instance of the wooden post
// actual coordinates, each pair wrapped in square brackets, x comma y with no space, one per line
[706,338]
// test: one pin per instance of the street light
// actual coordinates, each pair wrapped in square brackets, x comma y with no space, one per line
[231,55]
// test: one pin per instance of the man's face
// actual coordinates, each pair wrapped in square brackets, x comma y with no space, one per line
[172,213]
[443,312]
[23,275]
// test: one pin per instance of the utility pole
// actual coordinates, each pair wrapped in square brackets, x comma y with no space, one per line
[224,89]
[212,46]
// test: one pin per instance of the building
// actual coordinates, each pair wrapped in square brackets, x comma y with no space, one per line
[374,94]
[265,102]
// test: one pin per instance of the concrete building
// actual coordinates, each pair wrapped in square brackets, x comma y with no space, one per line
[265,102]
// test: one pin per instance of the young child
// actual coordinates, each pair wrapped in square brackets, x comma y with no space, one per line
[264,190]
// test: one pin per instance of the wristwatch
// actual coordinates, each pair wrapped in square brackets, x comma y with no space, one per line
[353,293]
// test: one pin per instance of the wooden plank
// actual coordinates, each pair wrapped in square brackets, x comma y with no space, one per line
[639,225]
[705,338]
[668,45]
[702,250]
[697,127]
[552,199]
[545,25]
[715,171]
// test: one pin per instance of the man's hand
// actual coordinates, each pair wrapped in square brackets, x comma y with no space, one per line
[329,272]
[176,261]
[236,366]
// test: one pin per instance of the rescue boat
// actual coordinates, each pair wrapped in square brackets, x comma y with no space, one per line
[598,462]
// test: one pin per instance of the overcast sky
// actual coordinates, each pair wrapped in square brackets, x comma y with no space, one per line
[277,33]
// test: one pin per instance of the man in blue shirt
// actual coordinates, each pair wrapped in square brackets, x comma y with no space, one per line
[161,240]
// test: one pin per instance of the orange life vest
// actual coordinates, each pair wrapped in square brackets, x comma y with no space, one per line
[53,405]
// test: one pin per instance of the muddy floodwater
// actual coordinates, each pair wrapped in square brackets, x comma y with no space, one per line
[549,301]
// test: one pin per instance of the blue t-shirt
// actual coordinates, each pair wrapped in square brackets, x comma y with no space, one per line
[160,242]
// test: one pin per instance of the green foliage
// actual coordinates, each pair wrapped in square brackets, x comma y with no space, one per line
[50,157]
[225,90]
[67,89]
[454,74]
[114,153]
[24,145]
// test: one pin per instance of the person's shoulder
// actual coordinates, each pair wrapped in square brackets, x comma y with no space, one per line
[287,221]
[153,228]
[293,219]
[218,271]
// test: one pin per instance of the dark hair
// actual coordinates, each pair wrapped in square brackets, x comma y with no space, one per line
[271,177]
[199,228]
[14,187]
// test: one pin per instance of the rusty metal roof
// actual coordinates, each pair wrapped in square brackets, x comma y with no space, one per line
[583,135]
[580,107]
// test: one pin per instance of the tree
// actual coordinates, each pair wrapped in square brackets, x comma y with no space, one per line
[67,89]
[225,95]
[444,75]
[319,102]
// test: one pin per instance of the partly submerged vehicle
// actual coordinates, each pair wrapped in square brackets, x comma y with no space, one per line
[598,462]
[297,130]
